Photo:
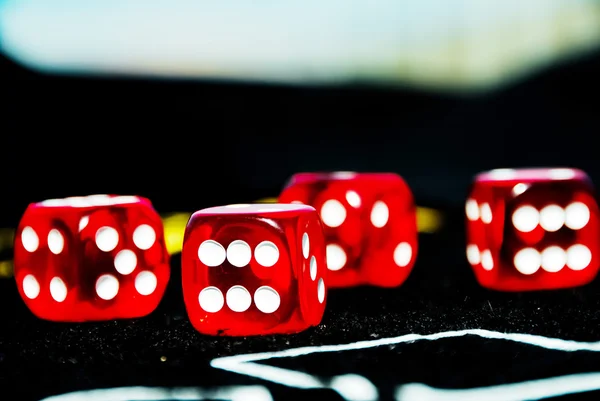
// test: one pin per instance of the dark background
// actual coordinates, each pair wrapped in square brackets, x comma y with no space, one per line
[189,144]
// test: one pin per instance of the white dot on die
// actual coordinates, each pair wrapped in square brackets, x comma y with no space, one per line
[577,215]
[84,222]
[266,254]
[472,210]
[211,299]
[526,218]
[552,218]
[473,255]
[58,289]
[353,199]
[553,259]
[29,239]
[336,257]
[527,261]
[486,213]
[107,239]
[321,290]
[519,188]
[145,282]
[144,237]
[211,253]
[266,299]
[487,261]
[125,261]
[379,214]
[107,287]
[313,268]
[56,241]
[238,298]
[239,253]
[305,245]
[333,213]
[578,257]
[31,287]
[402,254]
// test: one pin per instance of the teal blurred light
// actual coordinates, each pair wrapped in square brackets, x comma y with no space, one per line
[440,44]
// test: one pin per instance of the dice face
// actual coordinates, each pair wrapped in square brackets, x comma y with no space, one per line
[97,257]
[532,229]
[254,269]
[369,222]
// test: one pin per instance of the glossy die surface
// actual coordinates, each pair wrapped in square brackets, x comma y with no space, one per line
[369,223]
[96,257]
[532,229]
[254,269]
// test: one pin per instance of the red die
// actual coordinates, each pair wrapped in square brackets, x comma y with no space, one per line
[532,229]
[98,257]
[254,269]
[370,224]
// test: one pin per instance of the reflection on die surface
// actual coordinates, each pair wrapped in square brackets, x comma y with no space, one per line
[369,223]
[96,257]
[254,269]
[532,229]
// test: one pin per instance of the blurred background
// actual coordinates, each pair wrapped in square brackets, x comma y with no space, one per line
[196,103]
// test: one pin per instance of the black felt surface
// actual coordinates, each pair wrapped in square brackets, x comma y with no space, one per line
[40,358]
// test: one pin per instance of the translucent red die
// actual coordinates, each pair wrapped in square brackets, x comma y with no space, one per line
[254,269]
[369,223]
[97,257]
[532,229]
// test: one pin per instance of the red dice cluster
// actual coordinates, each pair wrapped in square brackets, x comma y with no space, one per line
[255,269]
